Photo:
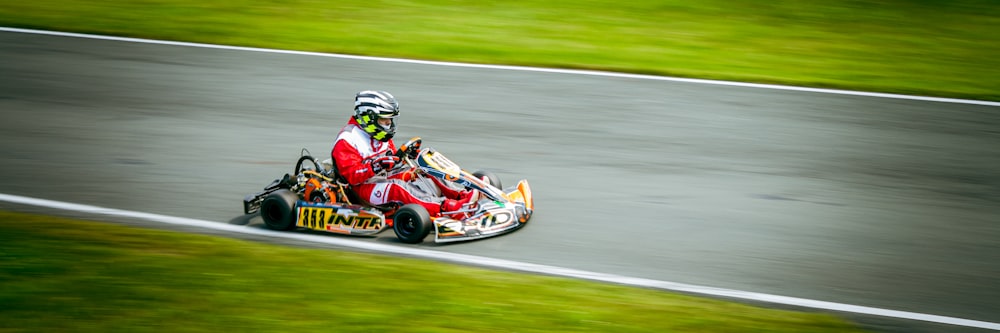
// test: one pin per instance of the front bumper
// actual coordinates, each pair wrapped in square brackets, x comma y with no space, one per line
[493,218]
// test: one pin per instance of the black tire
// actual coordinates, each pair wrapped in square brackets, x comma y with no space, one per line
[412,223]
[490,177]
[278,210]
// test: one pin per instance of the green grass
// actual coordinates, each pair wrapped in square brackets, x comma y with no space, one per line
[58,274]
[927,47]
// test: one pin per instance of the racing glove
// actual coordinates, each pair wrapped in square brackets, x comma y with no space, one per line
[382,163]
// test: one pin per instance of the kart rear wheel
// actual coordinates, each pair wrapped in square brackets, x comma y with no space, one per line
[490,177]
[278,210]
[412,223]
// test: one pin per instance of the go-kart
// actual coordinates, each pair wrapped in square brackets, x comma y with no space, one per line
[316,197]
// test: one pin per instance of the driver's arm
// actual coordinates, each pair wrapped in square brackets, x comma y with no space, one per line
[350,164]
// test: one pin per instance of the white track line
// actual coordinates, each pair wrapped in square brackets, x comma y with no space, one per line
[502,264]
[517,68]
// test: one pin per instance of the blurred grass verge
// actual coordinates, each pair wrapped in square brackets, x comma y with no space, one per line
[60,274]
[922,47]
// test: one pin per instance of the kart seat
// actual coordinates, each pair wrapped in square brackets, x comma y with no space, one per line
[330,170]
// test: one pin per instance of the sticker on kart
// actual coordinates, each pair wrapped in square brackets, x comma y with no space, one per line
[339,219]
[492,222]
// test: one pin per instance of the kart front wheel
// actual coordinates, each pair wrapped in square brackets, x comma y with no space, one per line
[412,223]
[278,210]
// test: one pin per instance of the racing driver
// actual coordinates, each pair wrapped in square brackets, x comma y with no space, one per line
[364,153]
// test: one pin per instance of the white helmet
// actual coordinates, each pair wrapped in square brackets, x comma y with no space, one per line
[369,105]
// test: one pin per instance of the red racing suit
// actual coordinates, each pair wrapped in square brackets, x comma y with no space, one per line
[352,152]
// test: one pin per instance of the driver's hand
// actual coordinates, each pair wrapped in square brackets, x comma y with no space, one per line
[382,163]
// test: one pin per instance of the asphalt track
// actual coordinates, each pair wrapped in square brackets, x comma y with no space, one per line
[872,201]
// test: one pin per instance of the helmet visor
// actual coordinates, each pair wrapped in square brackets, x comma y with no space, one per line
[386,122]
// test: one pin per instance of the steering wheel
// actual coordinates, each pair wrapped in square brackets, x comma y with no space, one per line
[411,148]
